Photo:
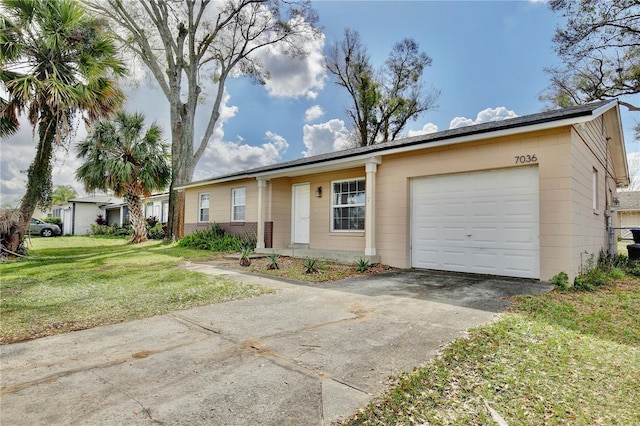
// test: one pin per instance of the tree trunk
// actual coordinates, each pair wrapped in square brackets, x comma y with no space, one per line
[134,202]
[38,183]
[182,164]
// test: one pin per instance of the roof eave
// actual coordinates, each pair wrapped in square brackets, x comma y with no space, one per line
[358,159]
[613,124]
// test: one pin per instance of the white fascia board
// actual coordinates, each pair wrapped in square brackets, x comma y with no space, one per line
[214,181]
[326,166]
[619,140]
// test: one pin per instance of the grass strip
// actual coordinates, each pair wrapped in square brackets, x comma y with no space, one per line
[75,283]
[562,358]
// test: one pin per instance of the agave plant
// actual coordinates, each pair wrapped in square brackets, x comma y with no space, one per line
[272,262]
[362,265]
[310,266]
[245,252]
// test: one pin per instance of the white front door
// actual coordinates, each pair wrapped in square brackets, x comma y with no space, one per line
[300,213]
[67,226]
[484,222]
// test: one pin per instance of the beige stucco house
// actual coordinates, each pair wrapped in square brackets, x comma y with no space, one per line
[524,197]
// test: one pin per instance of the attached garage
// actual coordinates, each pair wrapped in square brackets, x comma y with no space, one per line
[482,222]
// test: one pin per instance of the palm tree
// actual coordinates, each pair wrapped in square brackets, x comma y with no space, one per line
[120,157]
[55,61]
[62,193]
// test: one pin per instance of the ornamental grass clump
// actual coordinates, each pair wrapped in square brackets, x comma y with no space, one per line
[272,262]
[216,239]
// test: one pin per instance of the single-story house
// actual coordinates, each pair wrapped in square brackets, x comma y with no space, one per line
[117,213]
[523,197]
[157,205]
[628,209]
[78,214]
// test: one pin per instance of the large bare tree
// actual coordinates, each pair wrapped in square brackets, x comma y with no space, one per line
[349,62]
[382,102]
[404,94]
[190,45]
[599,45]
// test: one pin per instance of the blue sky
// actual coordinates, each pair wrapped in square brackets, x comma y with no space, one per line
[487,56]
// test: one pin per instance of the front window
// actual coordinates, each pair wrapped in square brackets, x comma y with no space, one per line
[204,208]
[125,215]
[165,211]
[347,205]
[237,204]
[148,210]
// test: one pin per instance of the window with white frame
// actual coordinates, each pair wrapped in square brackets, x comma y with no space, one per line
[165,211]
[125,215]
[203,209]
[238,196]
[595,189]
[57,212]
[148,210]
[347,205]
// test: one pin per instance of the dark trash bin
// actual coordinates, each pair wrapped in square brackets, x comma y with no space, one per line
[636,235]
[634,251]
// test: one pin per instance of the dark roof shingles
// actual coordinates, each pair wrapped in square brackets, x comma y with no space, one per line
[492,126]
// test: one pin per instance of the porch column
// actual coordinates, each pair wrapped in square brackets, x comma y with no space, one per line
[370,207]
[262,184]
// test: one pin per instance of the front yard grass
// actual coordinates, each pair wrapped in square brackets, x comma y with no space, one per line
[74,283]
[556,358]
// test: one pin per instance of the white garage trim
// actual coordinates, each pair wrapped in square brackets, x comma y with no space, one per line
[482,222]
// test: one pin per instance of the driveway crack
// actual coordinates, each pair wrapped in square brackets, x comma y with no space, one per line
[188,321]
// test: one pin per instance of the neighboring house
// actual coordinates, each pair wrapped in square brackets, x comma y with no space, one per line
[117,213]
[157,206]
[78,214]
[628,208]
[524,197]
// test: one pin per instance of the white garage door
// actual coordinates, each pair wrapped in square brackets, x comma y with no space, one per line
[484,222]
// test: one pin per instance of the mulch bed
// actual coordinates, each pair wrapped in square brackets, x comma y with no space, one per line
[294,268]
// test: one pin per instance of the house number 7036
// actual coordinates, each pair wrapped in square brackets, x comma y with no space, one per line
[521,159]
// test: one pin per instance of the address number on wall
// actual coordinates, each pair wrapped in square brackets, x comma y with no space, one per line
[529,158]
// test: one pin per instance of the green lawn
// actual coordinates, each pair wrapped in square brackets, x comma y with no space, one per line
[558,358]
[73,283]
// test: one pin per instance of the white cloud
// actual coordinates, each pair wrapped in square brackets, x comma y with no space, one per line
[313,113]
[294,77]
[484,116]
[224,157]
[426,129]
[17,153]
[460,122]
[326,137]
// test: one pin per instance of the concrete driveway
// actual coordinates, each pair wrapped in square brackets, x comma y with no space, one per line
[304,355]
